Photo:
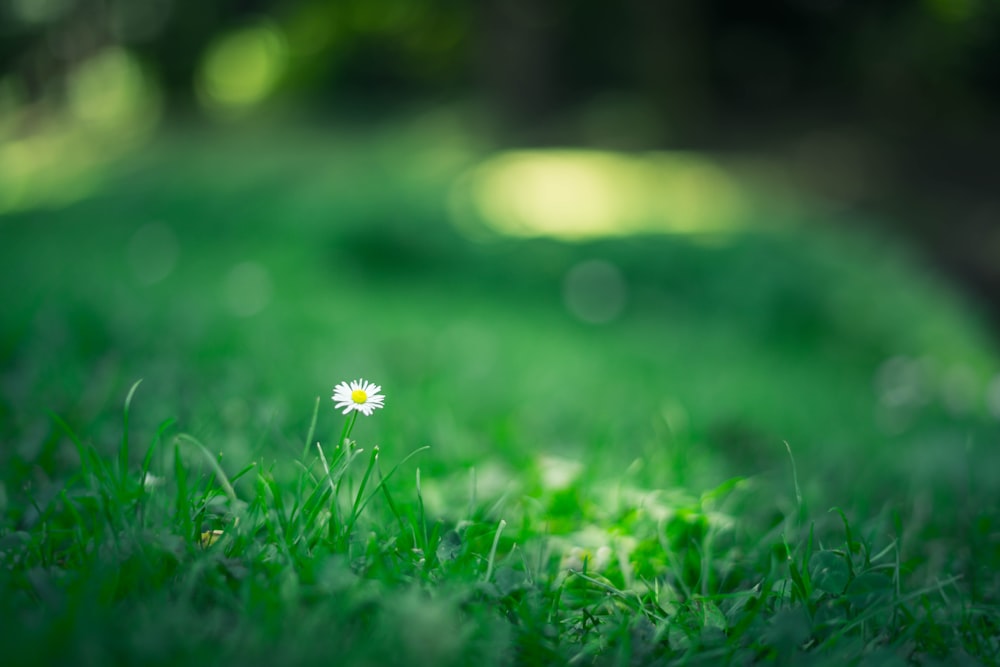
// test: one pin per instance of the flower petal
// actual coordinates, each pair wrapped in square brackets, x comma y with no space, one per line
[343,396]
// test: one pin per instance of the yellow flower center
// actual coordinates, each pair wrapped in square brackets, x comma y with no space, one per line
[359,396]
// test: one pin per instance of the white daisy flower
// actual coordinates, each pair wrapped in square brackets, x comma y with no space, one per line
[359,395]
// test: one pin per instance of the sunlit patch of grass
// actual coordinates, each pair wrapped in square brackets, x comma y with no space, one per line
[578,194]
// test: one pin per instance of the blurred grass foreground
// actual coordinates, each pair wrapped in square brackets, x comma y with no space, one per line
[626,379]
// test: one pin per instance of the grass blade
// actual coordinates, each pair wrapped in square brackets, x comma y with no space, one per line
[312,430]
[493,550]
[361,491]
[220,474]
[381,483]
[86,463]
[123,451]
[795,478]
[183,510]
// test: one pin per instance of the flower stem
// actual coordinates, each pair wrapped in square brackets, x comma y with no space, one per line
[346,433]
[355,509]
[335,472]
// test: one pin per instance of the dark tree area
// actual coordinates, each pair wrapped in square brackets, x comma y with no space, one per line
[889,107]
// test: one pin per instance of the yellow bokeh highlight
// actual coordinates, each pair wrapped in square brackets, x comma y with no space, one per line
[111,105]
[110,91]
[581,194]
[46,170]
[241,69]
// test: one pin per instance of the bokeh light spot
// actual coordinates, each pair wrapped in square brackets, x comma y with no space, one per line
[110,91]
[595,291]
[242,69]
[557,472]
[580,194]
[247,289]
[152,253]
[960,390]
[993,397]
[47,169]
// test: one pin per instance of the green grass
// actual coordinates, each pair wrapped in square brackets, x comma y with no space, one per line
[544,492]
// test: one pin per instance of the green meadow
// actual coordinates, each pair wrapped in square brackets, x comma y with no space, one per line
[770,440]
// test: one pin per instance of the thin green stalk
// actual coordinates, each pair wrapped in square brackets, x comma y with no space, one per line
[220,474]
[344,459]
[334,509]
[420,513]
[798,489]
[361,491]
[123,452]
[706,561]
[183,503]
[86,462]
[335,472]
[472,492]
[312,430]
[348,427]
[326,467]
[388,499]
[493,550]
[381,484]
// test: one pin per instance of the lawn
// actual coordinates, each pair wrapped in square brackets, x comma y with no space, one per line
[777,444]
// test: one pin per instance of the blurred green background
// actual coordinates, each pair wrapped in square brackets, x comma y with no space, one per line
[674,233]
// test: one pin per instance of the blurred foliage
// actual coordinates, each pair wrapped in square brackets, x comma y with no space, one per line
[890,106]
[85,84]
[672,66]
[241,278]
[696,320]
